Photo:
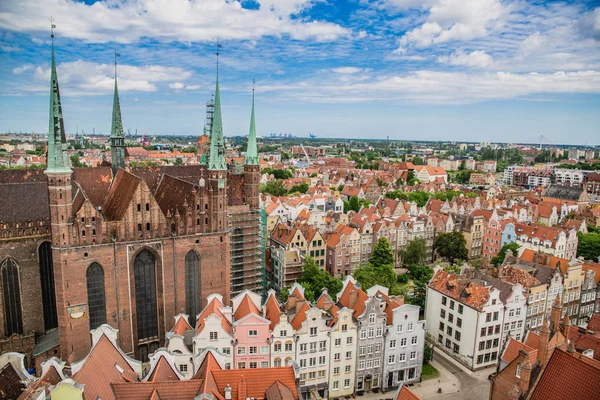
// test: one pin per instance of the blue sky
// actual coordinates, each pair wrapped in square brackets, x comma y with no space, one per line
[471,70]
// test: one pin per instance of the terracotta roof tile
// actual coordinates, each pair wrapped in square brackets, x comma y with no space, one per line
[169,390]
[272,310]
[245,307]
[404,393]
[300,316]
[594,323]
[181,326]
[460,289]
[100,370]
[255,382]
[567,377]
[514,347]
[163,371]
[213,308]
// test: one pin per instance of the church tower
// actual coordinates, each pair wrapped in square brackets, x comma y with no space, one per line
[117,138]
[58,170]
[217,167]
[252,165]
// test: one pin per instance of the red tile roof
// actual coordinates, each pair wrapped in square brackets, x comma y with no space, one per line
[272,310]
[458,288]
[361,298]
[213,308]
[300,316]
[163,372]
[245,307]
[567,377]
[170,390]
[514,347]
[99,370]
[594,323]
[253,383]
[405,394]
[181,326]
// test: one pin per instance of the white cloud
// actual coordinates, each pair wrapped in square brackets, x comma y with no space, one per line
[450,20]
[347,70]
[82,77]
[476,59]
[192,87]
[176,85]
[128,21]
[20,70]
[428,86]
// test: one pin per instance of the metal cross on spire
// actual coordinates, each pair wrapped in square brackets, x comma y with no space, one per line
[116,55]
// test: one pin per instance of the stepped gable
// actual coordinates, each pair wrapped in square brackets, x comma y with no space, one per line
[326,303]
[174,194]
[103,367]
[121,192]
[391,305]
[24,196]
[567,377]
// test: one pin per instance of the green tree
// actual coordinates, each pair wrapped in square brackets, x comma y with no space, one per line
[274,187]
[420,276]
[75,162]
[301,188]
[352,205]
[382,253]
[415,252]
[369,275]
[589,246]
[411,179]
[178,161]
[452,246]
[417,161]
[462,176]
[499,258]
[314,280]
[282,174]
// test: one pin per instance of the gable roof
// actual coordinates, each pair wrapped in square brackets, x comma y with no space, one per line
[102,368]
[121,192]
[272,310]
[213,308]
[245,307]
[255,382]
[567,377]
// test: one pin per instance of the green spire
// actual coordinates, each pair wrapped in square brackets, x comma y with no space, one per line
[57,160]
[216,159]
[252,150]
[117,138]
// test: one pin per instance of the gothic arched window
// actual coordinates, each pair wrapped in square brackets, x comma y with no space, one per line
[12,297]
[96,295]
[47,283]
[144,270]
[192,285]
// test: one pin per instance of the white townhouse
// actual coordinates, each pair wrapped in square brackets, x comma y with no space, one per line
[404,347]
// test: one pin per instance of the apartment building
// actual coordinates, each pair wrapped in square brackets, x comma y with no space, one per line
[464,319]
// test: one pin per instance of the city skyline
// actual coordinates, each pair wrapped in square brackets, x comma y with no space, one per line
[490,70]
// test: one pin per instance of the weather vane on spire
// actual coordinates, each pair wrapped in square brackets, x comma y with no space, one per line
[218,53]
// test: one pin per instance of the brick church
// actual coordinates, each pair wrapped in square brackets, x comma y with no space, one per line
[130,247]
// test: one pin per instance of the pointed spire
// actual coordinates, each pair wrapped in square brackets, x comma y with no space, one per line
[252,150]
[117,137]
[216,160]
[57,160]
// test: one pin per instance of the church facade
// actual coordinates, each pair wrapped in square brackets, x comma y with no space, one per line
[130,247]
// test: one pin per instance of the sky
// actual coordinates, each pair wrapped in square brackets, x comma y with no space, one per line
[459,70]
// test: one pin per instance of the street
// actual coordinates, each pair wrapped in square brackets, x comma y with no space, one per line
[456,383]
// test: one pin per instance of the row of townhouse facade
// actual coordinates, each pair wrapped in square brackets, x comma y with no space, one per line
[355,342]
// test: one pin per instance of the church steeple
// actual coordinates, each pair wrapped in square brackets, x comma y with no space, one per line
[117,138]
[252,150]
[57,160]
[216,160]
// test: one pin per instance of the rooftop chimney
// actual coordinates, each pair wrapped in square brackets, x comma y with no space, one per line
[555,314]
[525,373]
[543,343]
